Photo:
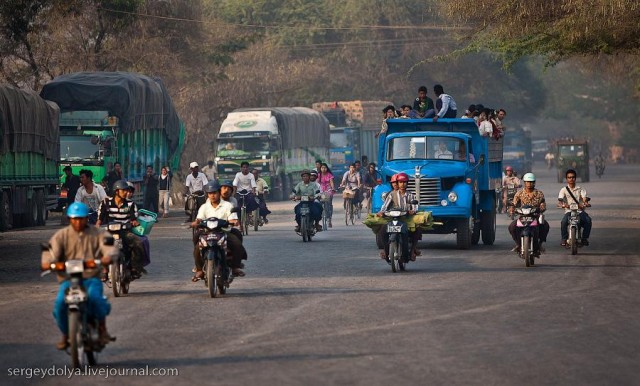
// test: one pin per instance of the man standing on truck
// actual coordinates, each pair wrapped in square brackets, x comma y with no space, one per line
[445,104]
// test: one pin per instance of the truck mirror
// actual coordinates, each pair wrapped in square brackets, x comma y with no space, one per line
[481,161]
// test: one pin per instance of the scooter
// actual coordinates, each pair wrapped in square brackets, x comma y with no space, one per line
[84,337]
[528,220]
[398,232]
[212,242]
[120,275]
[307,230]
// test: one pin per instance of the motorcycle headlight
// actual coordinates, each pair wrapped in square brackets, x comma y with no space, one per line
[573,206]
[114,227]
[453,197]
[212,224]
[394,213]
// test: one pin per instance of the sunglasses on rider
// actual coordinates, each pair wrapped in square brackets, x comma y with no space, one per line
[571,177]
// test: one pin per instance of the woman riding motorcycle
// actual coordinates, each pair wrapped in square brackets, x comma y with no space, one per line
[534,198]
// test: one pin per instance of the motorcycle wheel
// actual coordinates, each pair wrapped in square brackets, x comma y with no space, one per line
[393,251]
[303,228]
[114,276]
[256,219]
[525,243]
[212,284]
[573,240]
[75,339]
[221,273]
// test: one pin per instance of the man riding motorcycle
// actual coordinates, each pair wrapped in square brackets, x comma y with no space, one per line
[216,207]
[508,179]
[119,209]
[568,195]
[79,241]
[308,188]
[534,198]
[400,199]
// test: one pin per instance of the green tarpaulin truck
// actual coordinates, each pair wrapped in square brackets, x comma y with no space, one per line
[29,138]
[109,117]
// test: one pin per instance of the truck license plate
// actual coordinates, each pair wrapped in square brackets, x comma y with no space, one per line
[394,228]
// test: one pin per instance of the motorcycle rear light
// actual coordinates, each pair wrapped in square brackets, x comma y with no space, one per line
[90,264]
[57,266]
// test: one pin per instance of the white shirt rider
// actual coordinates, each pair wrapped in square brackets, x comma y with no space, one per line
[196,184]
[244,182]
[92,200]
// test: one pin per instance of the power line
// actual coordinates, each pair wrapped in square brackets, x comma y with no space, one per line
[361,27]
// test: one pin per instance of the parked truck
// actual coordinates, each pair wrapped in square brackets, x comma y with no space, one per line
[458,189]
[572,154]
[278,141]
[365,117]
[29,140]
[517,150]
[109,117]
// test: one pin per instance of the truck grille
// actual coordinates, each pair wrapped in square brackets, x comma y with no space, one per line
[429,190]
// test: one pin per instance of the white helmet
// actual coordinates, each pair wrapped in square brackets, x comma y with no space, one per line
[529,177]
[193,164]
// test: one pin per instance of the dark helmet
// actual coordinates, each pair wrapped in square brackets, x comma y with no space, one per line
[120,185]
[227,183]
[212,186]
[305,171]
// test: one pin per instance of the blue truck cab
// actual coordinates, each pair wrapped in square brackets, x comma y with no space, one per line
[452,170]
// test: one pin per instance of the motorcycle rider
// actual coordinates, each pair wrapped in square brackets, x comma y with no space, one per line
[508,179]
[532,197]
[216,207]
[194,183]
[567,196]
[79,241]
[400,199]
[119,209]
[308,188]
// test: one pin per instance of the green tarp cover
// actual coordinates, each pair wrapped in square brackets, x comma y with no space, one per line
[28,123]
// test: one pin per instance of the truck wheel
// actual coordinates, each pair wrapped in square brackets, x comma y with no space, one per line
[30,217]
[488,227]
[475,234]
[463,237]
[6,215]
[41,208]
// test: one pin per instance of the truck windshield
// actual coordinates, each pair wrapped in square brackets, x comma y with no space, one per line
[229,146]
[339,139]
[78,147]
[443,148]
[571,150]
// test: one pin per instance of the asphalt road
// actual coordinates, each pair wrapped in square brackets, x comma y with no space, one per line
[332,312]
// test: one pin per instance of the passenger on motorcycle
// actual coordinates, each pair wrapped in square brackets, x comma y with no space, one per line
[308,188]
[193,185]
[509,179]
[352,180]
[532,197]
[226,191]
[82,242]
[216,207]
[400,199]
[568,195]
[245,181]
[120,209]
[261,189]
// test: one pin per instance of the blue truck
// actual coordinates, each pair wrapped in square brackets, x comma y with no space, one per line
[452,170]
[517,150]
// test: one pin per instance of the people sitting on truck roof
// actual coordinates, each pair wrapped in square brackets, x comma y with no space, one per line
[445,104]
[388,112]
[406,112]
[469,113]
[423,105]
[485,126]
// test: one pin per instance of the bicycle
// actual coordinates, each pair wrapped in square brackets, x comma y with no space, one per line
[350,208]
[244,216]
[325,199]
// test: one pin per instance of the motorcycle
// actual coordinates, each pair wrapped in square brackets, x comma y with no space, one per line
[528,219]
[213,249]
[119,275]
[575,230]
[307,230]
[84,337]
[396,229]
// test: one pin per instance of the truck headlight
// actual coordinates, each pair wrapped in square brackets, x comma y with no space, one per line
[453,197]
[444,202]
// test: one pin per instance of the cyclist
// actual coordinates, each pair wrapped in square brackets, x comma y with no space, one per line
[193,185]
[261,189]
[370,181]
[326,186]
[351,180]
[245,181]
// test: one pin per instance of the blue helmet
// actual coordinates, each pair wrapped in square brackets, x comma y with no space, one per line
[211,187]
[77,209]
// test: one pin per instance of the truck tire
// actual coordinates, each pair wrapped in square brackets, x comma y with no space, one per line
[488,227]
[463,237]
[30,217]
[6,215]
[475,234]
[41,208]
